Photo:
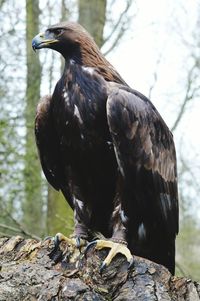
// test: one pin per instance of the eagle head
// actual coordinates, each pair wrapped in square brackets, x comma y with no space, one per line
[67,38]
[75,43]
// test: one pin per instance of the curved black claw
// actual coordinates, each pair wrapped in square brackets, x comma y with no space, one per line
[78,242]
[102,268]
[131,263]
[57,241]
[56,253]
[89,246]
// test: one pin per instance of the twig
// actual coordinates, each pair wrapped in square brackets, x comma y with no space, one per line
[189,95]
[19,230]
[119,21]
[120,25]
[3,234]
[155,75]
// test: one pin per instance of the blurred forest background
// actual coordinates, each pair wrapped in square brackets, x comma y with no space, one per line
[28,205]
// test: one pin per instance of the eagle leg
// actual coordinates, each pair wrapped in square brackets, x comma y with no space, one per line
[79,238]
[117,244]
[115,248]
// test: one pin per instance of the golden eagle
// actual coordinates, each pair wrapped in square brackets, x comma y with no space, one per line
[106,147]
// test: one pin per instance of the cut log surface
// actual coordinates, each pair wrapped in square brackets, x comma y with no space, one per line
[32,270]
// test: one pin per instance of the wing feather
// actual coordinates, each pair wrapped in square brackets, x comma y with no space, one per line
[48,148]
[145,152]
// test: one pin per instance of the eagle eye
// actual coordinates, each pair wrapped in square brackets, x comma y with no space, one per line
[58,31]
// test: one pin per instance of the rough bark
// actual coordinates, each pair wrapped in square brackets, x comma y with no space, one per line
[32,270]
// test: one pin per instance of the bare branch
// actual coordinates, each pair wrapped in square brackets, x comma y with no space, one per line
[19,230]
[118,28]
[19,227]
[189,95]
[155,75]
[115,42]
[118,22]
[3,234]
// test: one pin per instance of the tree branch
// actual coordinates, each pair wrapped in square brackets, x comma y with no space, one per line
[32,270]
[119,28]
[19,229]
[118,22]
[189,95]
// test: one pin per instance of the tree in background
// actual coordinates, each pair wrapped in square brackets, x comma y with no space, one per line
[33,209]
[12,86]
[188,242]
[92,16]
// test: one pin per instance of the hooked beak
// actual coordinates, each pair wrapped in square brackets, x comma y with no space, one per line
[42,40]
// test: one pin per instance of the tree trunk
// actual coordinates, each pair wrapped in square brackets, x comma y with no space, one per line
[92,16]
[32,206]
[32,270]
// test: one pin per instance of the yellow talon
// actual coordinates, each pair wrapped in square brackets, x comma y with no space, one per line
[74,241]
[116,248]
